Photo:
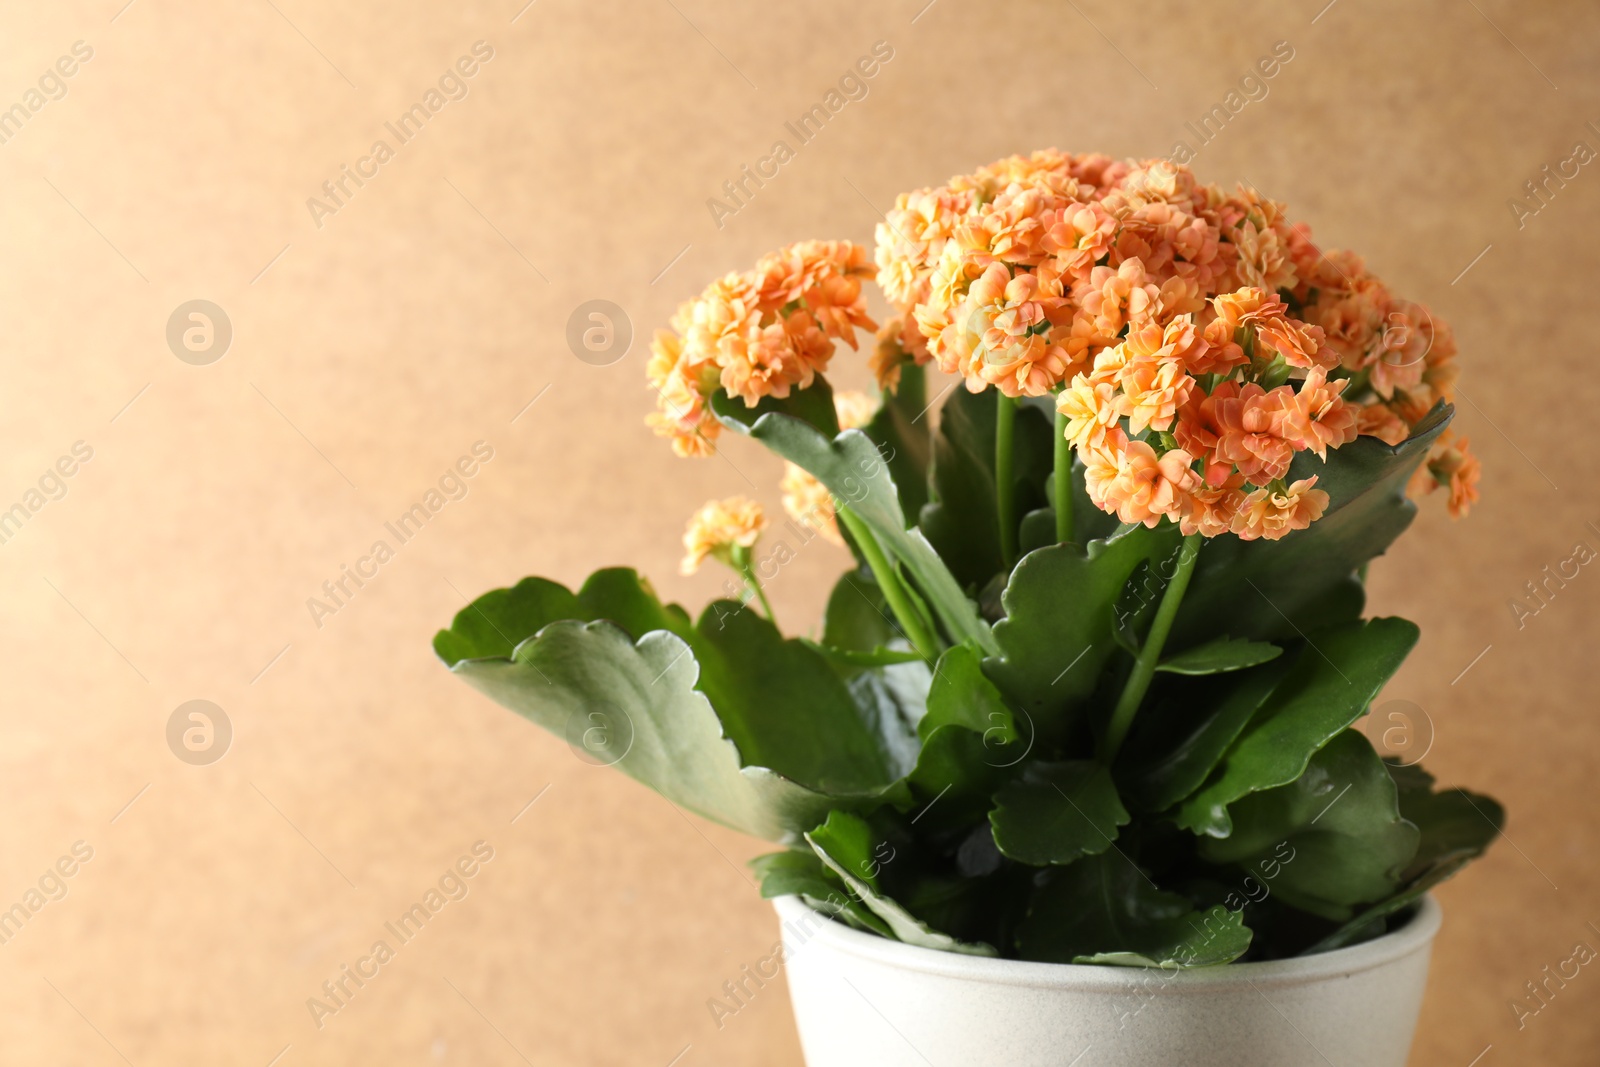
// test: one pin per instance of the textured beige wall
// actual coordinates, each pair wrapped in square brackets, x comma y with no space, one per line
[370,352]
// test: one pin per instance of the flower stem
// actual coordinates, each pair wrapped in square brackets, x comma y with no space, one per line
[746,569]
[1063,473]
[1144,667]
[916,628]
[1005,488]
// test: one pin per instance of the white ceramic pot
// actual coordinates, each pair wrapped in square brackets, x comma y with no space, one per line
[868,1001]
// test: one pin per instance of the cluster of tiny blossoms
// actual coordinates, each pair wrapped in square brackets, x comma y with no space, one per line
[719,529]
[756,333]
[1193,338]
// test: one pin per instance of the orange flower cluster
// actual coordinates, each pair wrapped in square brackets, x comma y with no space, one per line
[1194,339]
[756,333]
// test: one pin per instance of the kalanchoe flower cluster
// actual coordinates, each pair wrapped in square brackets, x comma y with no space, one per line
[756,333]
[719,529]
[1195,340]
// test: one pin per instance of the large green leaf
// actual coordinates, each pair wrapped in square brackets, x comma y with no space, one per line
[1103,909]
[1334,678]
[853,469]
[960,519]
[1057,813]
[589,680]
[785,708]
[1456,826]
[1341,818]
[1270,590]
[728,720]
[1185,727]
[1455,823]
[969,743]
[1060,605]
[847,844]
[1223,654]
[803,875]
[499,620]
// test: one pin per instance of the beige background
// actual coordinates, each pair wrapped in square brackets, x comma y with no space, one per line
[431,309]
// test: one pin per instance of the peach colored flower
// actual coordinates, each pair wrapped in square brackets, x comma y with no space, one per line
[1139,485]
[1078,235]
[681,386]
[1118,296]
[1199,429]
[1152,371]
[1350,310]
[809,503]
[998,339]
[1092,411]
[1272,513]
[720,527]
[1300,345]
[1155,389]
[1254,431]
[1317,417]
[1377,420]
[1452,464]
[1211,509]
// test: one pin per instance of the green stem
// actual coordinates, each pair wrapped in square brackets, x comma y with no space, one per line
[1144,668]
[743,564]
[1063,474]
[915,626]
[1005,487]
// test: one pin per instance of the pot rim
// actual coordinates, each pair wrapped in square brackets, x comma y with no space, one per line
[1415,936]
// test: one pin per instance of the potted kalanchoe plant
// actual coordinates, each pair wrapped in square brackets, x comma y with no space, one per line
[1070,762]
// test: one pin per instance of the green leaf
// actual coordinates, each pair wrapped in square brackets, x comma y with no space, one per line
[1056,636]
[1184,729]
[495,623]
[1335,677]
[852,468]
[803,875]
[903,433]
[1223,654]
[1057,813]
[784,708]
[1455,824]
[1456,827]
[969,743]
[960,519]
[1341,818]
[1269,590]
[857,619]
[887,680]
[852,851]
[737,724]
[1104,910]
[579,677]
